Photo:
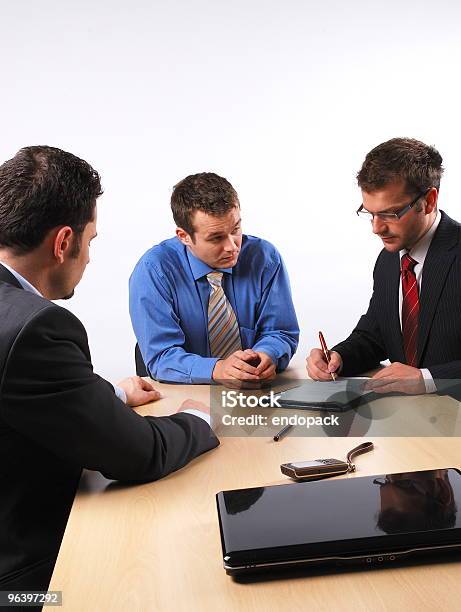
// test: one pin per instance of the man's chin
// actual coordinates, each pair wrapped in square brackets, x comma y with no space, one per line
[393,245]
[69,295]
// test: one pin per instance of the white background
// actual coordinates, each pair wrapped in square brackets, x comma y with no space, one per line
[283,98]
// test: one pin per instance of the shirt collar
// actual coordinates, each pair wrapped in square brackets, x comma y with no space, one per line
[420,249]
[200,268]
[21,280]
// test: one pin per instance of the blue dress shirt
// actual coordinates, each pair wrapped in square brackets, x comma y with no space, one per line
[169,294]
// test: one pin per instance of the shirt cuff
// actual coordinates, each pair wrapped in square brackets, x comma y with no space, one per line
[202,370]
[428,381]
[120,393]
[202,415]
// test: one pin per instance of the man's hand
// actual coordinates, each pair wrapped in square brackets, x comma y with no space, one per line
[193,405]
[236,368]
[398,378]
[317,366]
[266,367]
[138,391]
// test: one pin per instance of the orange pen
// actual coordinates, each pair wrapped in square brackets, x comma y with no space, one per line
[326,352]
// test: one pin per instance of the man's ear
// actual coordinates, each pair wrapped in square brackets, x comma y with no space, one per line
[183,236]
[62,243]
[431,200]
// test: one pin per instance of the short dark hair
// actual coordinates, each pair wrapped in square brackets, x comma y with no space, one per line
[416,163]
[205,191]
[41,188]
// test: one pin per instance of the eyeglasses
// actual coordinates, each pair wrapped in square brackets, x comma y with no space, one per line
[366,214]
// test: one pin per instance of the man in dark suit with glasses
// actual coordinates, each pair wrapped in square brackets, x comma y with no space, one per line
[413,315]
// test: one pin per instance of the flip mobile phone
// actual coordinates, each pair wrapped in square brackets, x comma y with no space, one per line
[315,469]
[323,468]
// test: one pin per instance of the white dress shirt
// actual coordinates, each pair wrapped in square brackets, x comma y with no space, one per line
[418,252]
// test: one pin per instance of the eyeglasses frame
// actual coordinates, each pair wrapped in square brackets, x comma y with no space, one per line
[390,216]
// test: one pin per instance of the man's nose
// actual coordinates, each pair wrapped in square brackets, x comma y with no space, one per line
[231,244]
[378,225]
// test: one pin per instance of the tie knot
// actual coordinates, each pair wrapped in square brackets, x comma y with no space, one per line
[408,263]
[215,279]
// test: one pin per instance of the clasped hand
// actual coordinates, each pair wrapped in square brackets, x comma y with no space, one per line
[237,368]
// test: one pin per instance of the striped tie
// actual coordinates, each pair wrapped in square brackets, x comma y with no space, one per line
[223,329]
[410,309]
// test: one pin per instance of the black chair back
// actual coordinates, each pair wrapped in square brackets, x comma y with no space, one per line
[141,369]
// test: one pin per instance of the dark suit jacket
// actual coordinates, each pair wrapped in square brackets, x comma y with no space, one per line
[378,334]
[57,416]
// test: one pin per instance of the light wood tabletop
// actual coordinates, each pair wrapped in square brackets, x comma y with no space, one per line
[156,546]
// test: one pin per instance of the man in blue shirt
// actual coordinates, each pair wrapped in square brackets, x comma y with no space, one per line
[212,303]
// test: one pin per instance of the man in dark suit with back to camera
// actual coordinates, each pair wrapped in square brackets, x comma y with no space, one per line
[56,415]
[413,315]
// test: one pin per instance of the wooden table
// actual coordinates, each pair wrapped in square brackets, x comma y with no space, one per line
[156,546]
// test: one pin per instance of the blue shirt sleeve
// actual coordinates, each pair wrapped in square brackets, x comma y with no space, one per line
[276,323]
[157,328]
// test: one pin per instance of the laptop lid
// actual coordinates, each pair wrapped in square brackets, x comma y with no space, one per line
[358,518]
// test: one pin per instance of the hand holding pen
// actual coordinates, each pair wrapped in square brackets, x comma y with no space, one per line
[326,354]
[323,363]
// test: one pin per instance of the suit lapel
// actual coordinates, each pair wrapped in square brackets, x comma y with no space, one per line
[7,277]
[437,264]
[392,280]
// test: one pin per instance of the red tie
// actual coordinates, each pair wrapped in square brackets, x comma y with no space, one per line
[410,309]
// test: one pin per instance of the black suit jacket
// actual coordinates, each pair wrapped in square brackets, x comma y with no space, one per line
[378,334]
[57,416]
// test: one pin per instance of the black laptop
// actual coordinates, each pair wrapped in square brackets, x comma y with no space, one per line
[367,521]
